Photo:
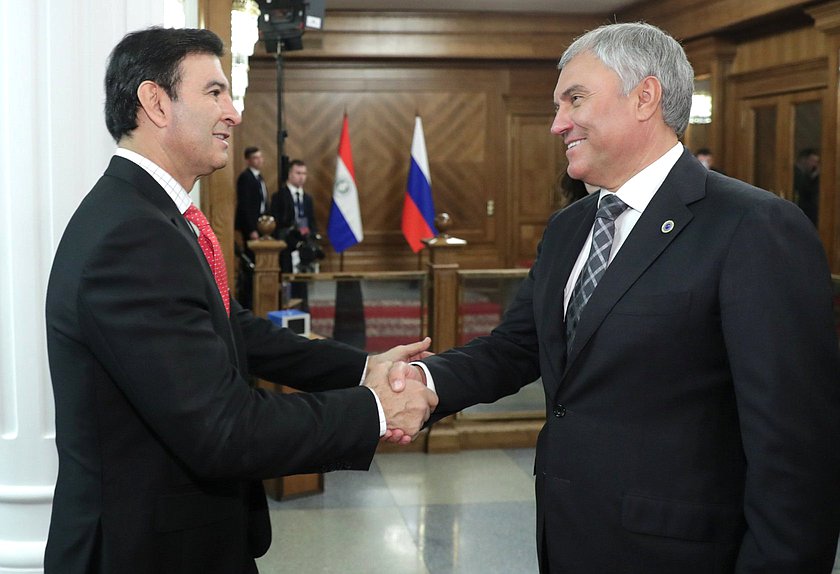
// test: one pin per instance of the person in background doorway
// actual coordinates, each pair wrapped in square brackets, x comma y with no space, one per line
[806,183]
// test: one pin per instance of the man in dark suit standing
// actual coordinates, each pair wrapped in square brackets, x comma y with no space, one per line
[691,388]
[162,444]
[251,195]
[251,202]
[294,211]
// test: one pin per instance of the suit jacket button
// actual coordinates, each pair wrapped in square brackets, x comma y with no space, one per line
[559,411]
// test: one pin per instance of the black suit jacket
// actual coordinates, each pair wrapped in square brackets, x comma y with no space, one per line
[693,426]
[283,210]
[161,441]
[248,203]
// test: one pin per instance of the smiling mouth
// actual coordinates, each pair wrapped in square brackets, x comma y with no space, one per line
[573,144]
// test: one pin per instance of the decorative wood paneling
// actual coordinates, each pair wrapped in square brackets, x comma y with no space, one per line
[537,162]
[778,50]
[462,107]
[450,35]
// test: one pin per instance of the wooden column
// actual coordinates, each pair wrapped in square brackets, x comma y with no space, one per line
[713,57]
[827,20]
[443,316]
[266,275]
[218,190]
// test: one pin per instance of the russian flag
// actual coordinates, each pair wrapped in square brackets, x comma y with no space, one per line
[418,216]
[345,225]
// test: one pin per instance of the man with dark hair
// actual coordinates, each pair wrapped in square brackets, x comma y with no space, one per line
[251,203]
[705,157]
[682,324]
[806,183]
[162,444]
[252,199]
[294,211]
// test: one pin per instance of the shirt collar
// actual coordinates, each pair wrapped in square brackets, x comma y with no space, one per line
[640,189]
[293,189]
[173,189]
[256,172]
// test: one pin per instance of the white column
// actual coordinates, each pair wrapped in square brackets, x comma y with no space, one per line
[53,147]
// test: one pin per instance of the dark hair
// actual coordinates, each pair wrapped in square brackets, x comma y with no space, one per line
[807,152]
[153,54]
[703,151]
[251,150]
[571,190]
[295,162]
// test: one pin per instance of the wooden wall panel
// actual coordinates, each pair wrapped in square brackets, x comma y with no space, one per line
[462,107]
[778,50]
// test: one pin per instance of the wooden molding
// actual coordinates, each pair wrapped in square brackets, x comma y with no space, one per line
[688,19]
[407,35]
[826,17]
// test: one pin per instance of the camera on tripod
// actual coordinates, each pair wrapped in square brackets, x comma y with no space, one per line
[308,247]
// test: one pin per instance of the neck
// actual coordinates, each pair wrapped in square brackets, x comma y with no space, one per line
[659,146]
[154,152]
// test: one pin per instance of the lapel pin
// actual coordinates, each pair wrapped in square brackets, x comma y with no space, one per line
[668,226]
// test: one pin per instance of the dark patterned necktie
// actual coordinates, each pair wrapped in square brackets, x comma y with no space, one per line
[597,262]
[212,251]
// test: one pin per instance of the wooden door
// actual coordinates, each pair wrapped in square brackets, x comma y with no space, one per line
[773,130]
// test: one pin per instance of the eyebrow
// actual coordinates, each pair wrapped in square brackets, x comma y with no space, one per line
[216,84]
[575,88]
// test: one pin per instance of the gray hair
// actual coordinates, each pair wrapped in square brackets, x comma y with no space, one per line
[635,51]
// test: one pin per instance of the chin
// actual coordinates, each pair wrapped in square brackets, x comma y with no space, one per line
[576,172]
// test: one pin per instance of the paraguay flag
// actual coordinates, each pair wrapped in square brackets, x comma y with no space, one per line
[418,217]
[345,225]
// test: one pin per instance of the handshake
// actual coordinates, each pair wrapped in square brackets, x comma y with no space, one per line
[401,389]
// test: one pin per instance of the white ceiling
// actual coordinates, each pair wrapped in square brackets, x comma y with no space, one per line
[560,6]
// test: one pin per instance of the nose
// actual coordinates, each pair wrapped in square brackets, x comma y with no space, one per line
[562,122]
[231,116]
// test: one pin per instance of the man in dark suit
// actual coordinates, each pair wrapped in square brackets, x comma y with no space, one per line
[251,195]
[161,441]
[294,212]
[251,202]
[692,388]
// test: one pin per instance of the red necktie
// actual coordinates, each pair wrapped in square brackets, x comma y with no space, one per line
[212,251]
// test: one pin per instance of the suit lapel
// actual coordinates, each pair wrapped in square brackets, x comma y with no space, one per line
[152,191]
[649,238]
[557,259]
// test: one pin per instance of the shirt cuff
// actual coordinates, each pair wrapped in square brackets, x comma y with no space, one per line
[383,424]
[430,382]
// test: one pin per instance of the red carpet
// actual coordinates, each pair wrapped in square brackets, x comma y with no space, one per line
[394,322]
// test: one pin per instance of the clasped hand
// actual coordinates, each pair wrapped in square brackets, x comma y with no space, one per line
[406,401]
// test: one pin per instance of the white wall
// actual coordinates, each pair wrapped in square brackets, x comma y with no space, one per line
[53,147]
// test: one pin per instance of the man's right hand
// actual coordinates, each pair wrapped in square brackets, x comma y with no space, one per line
[405,411]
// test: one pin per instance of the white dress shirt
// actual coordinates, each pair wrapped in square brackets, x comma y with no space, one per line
[636,193]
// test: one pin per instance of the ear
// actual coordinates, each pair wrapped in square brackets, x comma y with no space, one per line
[154,103]
[649,94]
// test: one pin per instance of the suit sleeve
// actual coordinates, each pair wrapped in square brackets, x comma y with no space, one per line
[280,356]
[776,316]
[147,309]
